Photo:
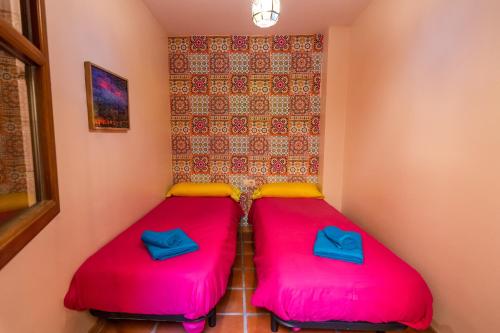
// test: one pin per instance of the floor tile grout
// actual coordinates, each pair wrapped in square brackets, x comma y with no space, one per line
[256,314]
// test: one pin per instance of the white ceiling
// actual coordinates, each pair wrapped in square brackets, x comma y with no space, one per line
[225,17]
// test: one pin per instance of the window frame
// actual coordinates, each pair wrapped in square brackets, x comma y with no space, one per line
[17,232]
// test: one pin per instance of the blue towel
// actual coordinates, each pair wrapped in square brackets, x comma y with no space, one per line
[168,244]
[166,239]
[324,247]
[348,240]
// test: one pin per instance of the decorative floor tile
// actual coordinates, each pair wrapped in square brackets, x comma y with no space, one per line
[129,326]
[231,302]
[248,261]
[250,279]
[236,280]
[249,307]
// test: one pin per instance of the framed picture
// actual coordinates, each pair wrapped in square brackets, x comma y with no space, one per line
[107,99]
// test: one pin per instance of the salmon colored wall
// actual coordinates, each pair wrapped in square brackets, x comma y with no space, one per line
[422,147]
[335,79]
[106,180]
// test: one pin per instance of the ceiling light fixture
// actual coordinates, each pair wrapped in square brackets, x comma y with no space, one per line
[265,13]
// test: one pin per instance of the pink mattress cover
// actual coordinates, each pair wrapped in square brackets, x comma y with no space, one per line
[122,277]
[296,285]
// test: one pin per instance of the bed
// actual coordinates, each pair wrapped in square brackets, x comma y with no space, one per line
[122,281]
[305,291]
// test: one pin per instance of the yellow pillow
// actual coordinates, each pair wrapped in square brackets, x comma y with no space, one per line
[13,201]
[204,190]
[287,190]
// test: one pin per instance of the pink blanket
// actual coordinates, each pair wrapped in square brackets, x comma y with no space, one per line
[296,285]
[122,277]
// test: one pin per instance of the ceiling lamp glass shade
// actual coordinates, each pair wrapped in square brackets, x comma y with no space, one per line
[265,13]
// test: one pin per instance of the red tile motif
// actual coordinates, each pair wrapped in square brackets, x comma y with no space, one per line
[245,107]
[240,43]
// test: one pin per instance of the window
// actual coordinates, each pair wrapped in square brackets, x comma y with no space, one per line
[28,175]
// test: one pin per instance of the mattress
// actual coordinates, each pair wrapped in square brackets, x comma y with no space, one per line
[296,285]
[122,276]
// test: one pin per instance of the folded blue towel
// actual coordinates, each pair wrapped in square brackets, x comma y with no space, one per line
[168,244]
[166,239]
[160,253]
[324,247]
[348,240]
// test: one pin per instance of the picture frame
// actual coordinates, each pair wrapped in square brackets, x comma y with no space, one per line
[107,99]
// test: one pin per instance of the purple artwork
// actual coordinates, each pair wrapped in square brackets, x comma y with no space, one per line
[107,96]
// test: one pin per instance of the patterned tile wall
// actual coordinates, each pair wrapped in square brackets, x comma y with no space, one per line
[245,107]
[16,160]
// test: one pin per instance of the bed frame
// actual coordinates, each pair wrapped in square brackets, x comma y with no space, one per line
[336,325]
[210,317]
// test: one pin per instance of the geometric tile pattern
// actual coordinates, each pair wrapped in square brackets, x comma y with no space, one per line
[245,107]
[16,166]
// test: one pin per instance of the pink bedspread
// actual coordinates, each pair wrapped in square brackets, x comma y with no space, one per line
[296,285]
[122,277]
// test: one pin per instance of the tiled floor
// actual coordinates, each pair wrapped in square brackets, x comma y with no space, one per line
[235,314]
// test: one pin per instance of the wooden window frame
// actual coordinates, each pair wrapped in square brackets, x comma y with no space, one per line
[21,229]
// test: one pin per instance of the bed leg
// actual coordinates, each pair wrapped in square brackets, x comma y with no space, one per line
[194,327]
[274,324]
[212,319]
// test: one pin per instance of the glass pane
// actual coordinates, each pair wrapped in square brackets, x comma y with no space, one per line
[17,172]
[10,11]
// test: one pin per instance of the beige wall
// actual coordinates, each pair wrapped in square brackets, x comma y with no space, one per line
[423,147]
[334,94]
[107,180]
